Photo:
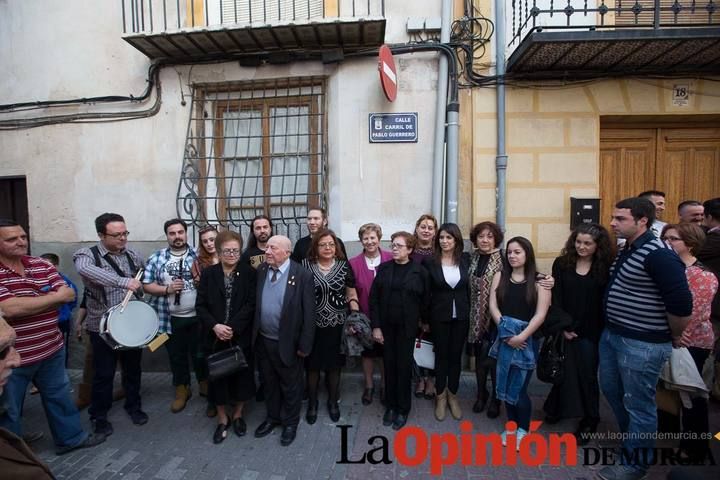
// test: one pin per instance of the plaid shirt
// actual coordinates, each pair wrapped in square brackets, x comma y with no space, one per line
[103,279]
[154,273]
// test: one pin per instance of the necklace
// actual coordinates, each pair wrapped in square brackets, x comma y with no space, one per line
[326,269]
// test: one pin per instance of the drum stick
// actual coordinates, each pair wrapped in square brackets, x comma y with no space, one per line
[130,293]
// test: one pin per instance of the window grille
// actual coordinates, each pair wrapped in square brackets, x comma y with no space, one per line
[255,148]
[248,11]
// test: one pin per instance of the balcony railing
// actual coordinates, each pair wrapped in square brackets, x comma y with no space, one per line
[530,16]
[160,16]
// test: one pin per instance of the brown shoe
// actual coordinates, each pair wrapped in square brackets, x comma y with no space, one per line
[182,395]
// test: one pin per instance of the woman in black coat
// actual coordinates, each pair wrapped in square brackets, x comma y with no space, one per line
[398,297]
[226,306]
[449,313]
[581,275]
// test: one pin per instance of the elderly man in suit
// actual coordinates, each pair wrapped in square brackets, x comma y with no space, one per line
[283,335]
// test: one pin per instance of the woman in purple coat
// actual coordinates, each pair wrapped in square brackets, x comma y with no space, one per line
[363,267]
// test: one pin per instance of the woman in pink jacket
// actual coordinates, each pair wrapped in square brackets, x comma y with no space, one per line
[363,266]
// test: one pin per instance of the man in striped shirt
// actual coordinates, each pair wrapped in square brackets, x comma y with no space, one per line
[647,306]
[31,291]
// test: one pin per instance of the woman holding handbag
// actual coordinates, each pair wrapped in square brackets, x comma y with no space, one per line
[449,309]
[397,298]
[226,306]
[425,231]
[581,274]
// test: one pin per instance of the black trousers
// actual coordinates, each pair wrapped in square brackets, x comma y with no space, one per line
[105,362]
[283,385]
[695,419]
[449,342]
[183,349]
[398,360]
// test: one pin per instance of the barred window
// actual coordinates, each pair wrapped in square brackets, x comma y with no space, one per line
[255,148]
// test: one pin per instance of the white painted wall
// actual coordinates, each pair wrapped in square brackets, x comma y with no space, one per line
[72,49]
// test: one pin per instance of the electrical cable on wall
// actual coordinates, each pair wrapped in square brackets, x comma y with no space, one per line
[469,38]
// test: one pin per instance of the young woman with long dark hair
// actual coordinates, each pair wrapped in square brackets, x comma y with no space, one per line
[581,274]
[518,305]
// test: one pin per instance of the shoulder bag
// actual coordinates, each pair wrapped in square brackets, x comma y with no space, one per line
[551,361]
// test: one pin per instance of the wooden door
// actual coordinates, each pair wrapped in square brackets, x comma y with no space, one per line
[682,162]
[688,166]
[627,166]
[14,202]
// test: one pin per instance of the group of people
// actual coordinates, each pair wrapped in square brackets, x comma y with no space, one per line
[287,309]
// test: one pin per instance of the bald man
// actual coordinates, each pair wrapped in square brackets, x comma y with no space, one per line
[17,461]
[283,335]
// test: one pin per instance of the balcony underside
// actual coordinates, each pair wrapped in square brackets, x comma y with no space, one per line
[587,54]
[316,35]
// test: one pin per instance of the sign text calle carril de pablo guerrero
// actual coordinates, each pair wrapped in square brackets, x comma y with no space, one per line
[393,127]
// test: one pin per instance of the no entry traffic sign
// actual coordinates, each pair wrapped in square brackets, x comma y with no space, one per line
[388,73]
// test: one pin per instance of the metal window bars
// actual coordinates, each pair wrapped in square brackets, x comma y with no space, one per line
[255,148]
[157,16]
[535,15]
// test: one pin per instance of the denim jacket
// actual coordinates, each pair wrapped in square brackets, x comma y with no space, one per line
[511,380]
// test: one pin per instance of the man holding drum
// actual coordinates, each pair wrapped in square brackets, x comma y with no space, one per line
[168,277]
[31,290]
[107,269]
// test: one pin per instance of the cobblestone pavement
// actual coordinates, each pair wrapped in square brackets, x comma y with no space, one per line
[179,446]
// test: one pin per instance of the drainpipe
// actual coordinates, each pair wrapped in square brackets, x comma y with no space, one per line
[501,159]
[440,106]
[453,127]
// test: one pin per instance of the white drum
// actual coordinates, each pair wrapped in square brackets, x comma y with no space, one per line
[132,327]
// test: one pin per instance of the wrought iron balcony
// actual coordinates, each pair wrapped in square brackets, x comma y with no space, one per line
[201,29]
[585,38]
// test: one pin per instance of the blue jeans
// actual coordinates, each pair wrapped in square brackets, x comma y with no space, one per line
[52,381]
[629,372]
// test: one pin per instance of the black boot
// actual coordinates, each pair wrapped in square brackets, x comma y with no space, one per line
[493,410]
[481,401]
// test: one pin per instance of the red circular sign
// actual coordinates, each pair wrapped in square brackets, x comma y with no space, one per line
[388,74]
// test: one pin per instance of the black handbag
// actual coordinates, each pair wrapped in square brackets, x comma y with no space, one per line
[226,362]
[551,362]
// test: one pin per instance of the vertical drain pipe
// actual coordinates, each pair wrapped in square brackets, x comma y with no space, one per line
[453,127]
[501,159]
[442,91]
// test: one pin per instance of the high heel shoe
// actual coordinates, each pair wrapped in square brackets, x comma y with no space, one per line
[333,410]
[420,388]
[220,432]
[311,415]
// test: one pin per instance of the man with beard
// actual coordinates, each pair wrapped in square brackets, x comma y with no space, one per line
[260,233]
[168,278]
[316,220]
